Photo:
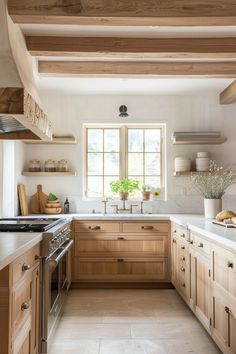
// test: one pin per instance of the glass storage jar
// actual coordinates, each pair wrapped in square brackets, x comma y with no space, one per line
[62,166]
[34,166]
[50,166]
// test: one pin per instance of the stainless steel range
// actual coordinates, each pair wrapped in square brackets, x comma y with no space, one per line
[55,283]
[54,280]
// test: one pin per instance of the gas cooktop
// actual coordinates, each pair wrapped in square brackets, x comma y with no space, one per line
[27,224]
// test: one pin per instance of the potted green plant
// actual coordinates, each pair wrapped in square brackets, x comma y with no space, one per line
[212,185]
[124,186]
[146,191]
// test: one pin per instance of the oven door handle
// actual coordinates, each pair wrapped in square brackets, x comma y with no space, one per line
[54,260]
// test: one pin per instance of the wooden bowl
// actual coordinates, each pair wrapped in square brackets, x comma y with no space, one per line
[53,205]
[52,210]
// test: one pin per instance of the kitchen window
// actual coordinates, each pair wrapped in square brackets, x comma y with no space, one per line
[114,152]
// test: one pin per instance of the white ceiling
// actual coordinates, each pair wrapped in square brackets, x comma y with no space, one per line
[132,86]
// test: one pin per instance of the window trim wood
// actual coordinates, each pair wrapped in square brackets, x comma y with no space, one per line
[124,152]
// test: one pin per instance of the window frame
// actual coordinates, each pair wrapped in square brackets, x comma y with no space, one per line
[123,161]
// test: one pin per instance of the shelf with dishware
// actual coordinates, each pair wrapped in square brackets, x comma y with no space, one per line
[197,138]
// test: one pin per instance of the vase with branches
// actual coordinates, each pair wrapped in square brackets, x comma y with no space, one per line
[212,186]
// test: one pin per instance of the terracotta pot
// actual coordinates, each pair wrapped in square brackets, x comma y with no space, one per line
[146,195]
[124,195]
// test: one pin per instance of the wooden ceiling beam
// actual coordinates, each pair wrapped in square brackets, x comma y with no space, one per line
[132,47]
[126,13]
[229,94]
[131,68]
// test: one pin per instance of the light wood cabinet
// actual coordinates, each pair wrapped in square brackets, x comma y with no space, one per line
[19,305]
[201,286]
[121,252]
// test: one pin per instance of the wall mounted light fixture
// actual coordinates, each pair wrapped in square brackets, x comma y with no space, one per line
[123,111]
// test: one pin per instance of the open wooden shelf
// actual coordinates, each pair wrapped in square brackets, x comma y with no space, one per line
[57,139]
[187,173]
[200,141]
[48,174]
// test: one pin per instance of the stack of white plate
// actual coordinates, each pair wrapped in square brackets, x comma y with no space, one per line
[202,161]
[182,164]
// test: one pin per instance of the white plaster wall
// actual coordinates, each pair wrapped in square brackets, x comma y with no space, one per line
[69,113]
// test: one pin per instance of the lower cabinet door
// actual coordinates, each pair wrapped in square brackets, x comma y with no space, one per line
[120,269]
[22,342]
[224,324]
[200,282]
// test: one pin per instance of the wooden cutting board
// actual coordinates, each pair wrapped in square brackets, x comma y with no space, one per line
[38,201]
[23,200]
[222,223]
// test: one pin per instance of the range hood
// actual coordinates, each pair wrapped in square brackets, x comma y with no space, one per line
[21,113]
[21,118]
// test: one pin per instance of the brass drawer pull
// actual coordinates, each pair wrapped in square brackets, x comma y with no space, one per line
[174,241]
[182,258]
[147,227]
[182,247]
[25,267]
[120,238]
[24,306]
[120,260]
[182,269]
[183,285]
[200,245]
[94,227]
[230,265]
[175,231]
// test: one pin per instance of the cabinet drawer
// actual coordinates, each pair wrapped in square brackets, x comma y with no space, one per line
[179,231]
[22,265]
[224,270]
[145,227]
[201,244]
[21,344]
[21,304]
[123,245]
[96,226]
[120,269]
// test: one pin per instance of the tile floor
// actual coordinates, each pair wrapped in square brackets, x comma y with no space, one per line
[129,322]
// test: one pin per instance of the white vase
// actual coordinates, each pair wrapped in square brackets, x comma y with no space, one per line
[212,207]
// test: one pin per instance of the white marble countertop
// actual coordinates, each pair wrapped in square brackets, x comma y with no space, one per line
[14,244]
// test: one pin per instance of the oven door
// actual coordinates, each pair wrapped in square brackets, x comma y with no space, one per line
[54,282]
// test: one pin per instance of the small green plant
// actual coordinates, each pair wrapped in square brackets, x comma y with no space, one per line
[52,197]
[124,185]
[146,188]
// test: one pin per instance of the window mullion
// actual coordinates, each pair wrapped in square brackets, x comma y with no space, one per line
[123,152]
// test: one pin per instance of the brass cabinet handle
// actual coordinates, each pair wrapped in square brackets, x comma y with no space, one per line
[183,285]
[230,265]
[120,260]
[147,227]
[174,241]
[182,258]
[200,244]
[175,231]
[182,247]
[182,269]
[120,238]
[25,267]
[24,306]
[94,227]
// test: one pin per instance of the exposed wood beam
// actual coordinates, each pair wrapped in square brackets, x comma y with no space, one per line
[127,69]
[229,94]
[124,12]
[23,135]
[132,47]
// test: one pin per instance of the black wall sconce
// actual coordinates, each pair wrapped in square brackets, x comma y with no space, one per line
[123,111]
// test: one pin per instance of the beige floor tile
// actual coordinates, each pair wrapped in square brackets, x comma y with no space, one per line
[129,322]
[75,347]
